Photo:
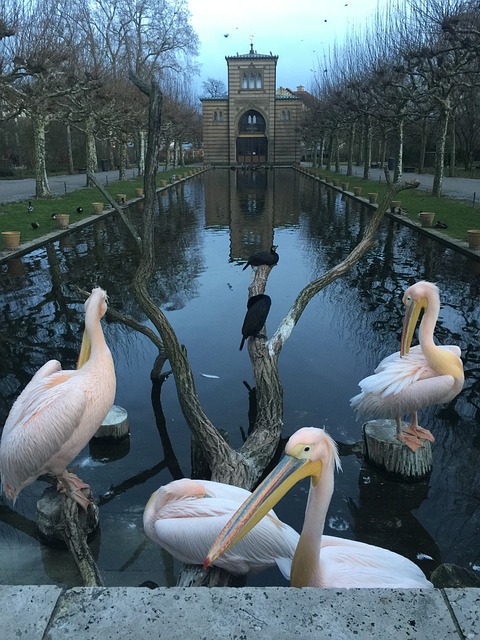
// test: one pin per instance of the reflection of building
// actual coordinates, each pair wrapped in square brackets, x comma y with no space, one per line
[254,123]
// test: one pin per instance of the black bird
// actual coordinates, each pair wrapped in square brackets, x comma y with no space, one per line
[30,207]
[79,209]
[257,312]
[35,225]
[53,216]
[263,257]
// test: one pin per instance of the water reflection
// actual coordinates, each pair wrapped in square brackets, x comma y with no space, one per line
[205,228]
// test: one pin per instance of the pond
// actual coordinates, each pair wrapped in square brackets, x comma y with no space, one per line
[206,229]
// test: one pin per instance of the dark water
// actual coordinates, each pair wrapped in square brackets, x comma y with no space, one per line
[205,230]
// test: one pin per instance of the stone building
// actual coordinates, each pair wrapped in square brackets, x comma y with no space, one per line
[254,123]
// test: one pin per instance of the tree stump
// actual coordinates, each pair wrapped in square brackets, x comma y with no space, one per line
[115,425]
[50,519]
[385,451]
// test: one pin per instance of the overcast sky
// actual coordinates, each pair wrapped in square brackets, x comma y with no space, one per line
[298,31]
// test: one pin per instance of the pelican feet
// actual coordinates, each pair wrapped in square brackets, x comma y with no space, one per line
[414,436]
[74,488]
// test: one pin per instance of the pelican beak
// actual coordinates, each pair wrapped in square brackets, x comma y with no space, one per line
[85,350]
[287,473]
[412,312]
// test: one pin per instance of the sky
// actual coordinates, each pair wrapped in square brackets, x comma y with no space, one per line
[300,32]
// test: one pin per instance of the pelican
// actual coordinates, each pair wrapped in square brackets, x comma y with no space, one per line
[331,563]
[416,378]
[185,516]
[58,412]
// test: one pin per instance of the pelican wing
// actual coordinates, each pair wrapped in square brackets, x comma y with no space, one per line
[49,410]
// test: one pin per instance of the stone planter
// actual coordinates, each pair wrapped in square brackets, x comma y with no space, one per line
[11,239]
[473,237]
[121,198]
[62,220]
[357,191]
[163,183]
[97,207]
[139,192]
[426,218]
[335,182]
[344,186]
[372,197]
[394,205]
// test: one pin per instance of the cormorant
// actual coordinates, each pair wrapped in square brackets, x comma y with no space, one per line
[257,311]
[35,225]
[79,209]
[263,257]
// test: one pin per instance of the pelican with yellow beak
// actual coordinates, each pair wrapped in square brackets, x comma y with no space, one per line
[58,412]
[319,561]
[413,378]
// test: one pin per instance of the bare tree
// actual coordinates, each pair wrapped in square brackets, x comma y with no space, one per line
[214,88]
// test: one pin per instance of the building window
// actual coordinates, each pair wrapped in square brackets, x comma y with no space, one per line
[244,81]
[251,81]
[259,81]
[220,116]
[215,116]
[284,115]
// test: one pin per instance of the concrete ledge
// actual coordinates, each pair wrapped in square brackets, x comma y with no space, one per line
[50,613]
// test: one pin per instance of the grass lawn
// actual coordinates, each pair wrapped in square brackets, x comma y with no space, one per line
[458,215]
[14,216]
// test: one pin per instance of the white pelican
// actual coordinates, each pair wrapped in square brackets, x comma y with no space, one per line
[413,379]
[318,562]
[58,412]
[185,516]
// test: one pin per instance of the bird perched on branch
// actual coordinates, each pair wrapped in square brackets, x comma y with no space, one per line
[58,412]
[257,311]
[413,378]
[263,257]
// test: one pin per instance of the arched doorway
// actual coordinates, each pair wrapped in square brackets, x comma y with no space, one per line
[252,145]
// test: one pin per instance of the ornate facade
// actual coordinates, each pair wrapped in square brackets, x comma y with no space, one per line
[254,123]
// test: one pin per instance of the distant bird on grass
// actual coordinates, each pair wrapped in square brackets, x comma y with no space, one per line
[35,225]
[53,216]
[30,207]
[257,311]
[79,209]
[263,257]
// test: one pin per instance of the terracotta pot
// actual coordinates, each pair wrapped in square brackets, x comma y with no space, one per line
[139,192]
[473,237]
[395,204]
[62,220]
[163,183]
[344,186]
[121,198]
[11,239]
[97,207]
[426,218]
[372,197]
[335,182]
[357,191]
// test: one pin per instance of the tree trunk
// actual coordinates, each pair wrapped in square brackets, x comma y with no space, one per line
[367,148]
[42,189]
[71,168]
[122,172]
[399,159]
[351,145]
[423,146]
[90,147]
[440,153]
[453,151]
[142,141]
